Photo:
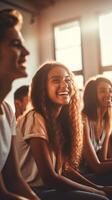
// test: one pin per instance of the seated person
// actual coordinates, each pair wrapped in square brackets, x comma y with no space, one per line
[12,66]
[21,100]
[49,138]
[97,118]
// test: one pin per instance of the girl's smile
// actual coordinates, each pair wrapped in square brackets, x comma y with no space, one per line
[59,86]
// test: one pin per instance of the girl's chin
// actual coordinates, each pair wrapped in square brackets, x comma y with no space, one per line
[64,103]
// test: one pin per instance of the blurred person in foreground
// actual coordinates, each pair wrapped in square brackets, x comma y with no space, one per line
[12,66]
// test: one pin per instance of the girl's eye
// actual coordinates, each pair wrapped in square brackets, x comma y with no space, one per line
[68,80]
[110,91]
[56,80]
[106,91]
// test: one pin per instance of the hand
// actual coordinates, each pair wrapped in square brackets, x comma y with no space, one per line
[101,192]
[107,189]
[36,198]
[16,197]
[108,125]
[11,196]
[21,198]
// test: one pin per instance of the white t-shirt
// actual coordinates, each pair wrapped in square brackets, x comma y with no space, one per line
[31,125]
[7,129]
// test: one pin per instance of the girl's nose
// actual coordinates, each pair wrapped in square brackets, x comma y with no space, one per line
[64,84]
[108,94]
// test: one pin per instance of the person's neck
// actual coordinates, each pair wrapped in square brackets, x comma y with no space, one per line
[101,112]
[56,111]
[5,87]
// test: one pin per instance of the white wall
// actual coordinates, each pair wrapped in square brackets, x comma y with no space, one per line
[30,33]
[87,11]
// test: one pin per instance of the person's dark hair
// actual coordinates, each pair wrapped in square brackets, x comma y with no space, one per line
[90,99]
[70,136]
[9,18]
[21,92]
[39,84]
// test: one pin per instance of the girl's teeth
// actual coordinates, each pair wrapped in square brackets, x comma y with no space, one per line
[62,93]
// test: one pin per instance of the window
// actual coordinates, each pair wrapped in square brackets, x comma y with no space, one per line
[105,33]
[68,50]
[108,75]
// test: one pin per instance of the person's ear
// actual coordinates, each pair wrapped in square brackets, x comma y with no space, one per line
[17,103]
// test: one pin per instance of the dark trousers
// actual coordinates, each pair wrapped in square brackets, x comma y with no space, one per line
[105,180]
[52,194]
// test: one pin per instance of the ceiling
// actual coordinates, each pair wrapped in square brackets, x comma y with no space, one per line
[40,4]
[32,6]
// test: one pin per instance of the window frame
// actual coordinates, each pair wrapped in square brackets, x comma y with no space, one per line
[106,68]
[78,72]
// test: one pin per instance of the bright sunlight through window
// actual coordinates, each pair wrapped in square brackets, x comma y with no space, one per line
[108,75]
[80,81]
[68,45]
[105,28]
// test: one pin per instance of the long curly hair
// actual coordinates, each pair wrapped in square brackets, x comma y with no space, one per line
[90,99]
[68,139]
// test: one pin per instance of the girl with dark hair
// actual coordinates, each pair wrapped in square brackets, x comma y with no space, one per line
[97,119]
[50,139]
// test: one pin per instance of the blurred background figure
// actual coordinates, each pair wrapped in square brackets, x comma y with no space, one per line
[21,100]
[97,124]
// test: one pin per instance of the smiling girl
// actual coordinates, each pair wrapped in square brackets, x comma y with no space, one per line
[97,118]
[49,138]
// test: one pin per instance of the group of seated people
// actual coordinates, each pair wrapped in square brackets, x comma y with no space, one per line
[60,150]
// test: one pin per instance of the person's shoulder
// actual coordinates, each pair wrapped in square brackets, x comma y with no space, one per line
[7,106]
[38,118]
[8,109]
[8,112]
[30,114]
